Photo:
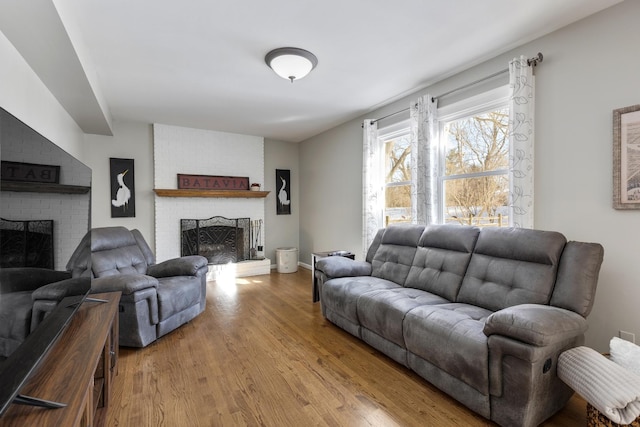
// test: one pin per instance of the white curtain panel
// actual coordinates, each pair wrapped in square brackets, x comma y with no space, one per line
[424,128]
[372,183]
[521,127]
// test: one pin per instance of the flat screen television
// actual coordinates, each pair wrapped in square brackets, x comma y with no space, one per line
[41,182]
[23,362]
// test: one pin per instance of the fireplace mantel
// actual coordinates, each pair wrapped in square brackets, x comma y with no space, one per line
[165,192]
[39,187]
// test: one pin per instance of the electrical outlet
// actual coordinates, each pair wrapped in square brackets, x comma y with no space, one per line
[627,336]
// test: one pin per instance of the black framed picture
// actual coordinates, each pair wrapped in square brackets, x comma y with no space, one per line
[123,195]
[283,185]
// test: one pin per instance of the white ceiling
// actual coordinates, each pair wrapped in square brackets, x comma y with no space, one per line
[200,63]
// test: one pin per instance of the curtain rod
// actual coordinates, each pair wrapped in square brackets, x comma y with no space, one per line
[532,62]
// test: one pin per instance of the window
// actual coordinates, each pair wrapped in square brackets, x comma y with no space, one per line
[474,162]
[397,178]
[471,161]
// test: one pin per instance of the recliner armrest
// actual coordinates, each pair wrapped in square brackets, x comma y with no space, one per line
[191,265]
[125,283]
[19,279]
[535,324]
[58,290]
[338,266]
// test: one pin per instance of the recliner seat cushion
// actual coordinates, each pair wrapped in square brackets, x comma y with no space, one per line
[383,311]
[451,337]
[341,295]
[176,294]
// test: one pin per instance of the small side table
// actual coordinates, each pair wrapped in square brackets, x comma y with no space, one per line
[315,256]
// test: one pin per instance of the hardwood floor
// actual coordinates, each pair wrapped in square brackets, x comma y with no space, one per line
[263,355]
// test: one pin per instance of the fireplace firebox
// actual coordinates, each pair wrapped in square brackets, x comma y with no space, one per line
[221,240]
[26,243]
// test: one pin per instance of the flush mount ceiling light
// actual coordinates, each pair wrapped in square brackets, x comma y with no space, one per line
[291,63]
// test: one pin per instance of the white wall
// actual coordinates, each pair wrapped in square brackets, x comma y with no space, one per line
[130,140]
[24,95]
[589,69]
[282,231]
[331,191]
[202,152]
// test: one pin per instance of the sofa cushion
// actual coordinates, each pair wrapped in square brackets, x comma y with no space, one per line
[511,266]
[341,295]
[441,259]
[176,294]
[393,259]
[450,337]
[383,311]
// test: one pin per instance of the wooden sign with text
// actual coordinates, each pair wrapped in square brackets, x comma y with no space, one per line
[30,172]
[210,182]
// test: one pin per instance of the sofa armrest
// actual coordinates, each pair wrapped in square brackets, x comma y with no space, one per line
[535,324]
[58,290]
[338,266]
[191,265]
[19,279]
[125,283]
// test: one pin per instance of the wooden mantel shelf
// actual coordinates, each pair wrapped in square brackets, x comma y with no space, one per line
[162,192]
[37,187]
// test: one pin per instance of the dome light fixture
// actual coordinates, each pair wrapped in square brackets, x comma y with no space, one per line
[291,63]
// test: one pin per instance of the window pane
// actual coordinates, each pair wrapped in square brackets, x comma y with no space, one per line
[398,159]
[477,201]
[398,203]
[477,143]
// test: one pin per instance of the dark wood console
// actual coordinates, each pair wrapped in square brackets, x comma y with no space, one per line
[78,371]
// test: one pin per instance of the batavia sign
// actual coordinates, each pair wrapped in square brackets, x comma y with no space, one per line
[30,172]
[211,182]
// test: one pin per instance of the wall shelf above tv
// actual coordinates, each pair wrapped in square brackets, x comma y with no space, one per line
[38,187]
[211,193]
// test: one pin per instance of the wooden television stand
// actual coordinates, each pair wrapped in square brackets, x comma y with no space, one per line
[78,371]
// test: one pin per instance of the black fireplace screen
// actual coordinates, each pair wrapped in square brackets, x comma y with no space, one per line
[26,243]
[221,240]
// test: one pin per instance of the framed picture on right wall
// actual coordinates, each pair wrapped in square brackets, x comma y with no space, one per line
[626,158]
[283,185]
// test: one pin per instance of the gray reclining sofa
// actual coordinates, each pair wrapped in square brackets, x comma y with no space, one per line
[481,314]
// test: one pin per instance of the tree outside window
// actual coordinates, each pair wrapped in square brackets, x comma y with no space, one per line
[397,178]
[475,178]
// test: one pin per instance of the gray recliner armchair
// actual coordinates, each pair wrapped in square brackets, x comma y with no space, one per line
[156,298]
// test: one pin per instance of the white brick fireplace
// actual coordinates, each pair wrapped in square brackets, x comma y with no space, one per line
[202,152]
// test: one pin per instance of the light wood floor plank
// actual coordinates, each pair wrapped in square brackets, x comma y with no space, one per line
[263,355]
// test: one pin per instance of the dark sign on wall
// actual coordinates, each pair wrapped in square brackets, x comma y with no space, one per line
[210,182]
[30,172]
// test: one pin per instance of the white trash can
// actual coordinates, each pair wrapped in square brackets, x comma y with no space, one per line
[287,260]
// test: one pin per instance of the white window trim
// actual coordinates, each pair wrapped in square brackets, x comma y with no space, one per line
[393,130]
[468,106]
